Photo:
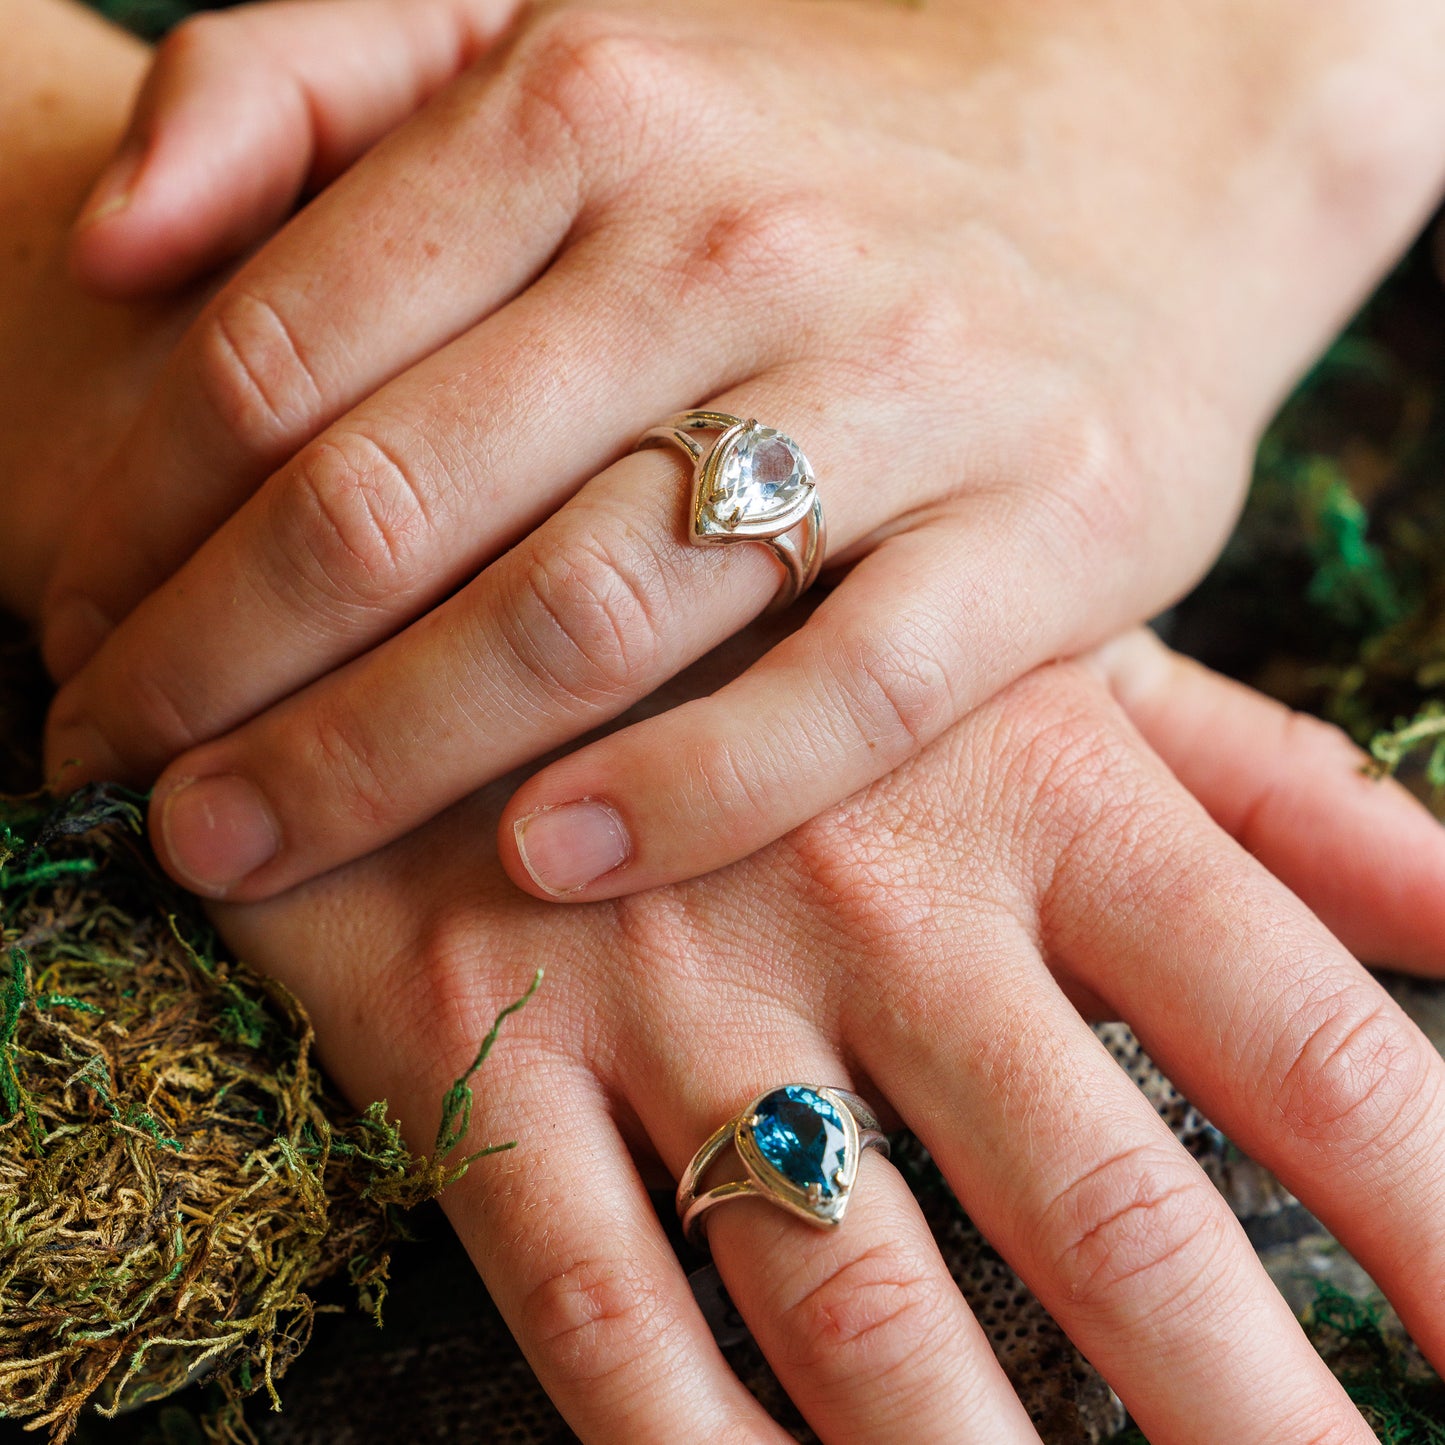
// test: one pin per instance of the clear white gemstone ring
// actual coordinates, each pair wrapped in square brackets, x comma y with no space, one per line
[749,484]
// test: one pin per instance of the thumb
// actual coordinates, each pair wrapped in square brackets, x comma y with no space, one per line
[244,110]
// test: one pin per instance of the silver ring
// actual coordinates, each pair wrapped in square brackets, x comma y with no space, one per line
[751,484]
[799,1144]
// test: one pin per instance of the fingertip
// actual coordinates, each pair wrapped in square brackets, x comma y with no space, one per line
[105,261]
[112,193]
[1363,854]
[126,248]
[565,851]
[213,833]
[215,172]
[178,224]
[110,253]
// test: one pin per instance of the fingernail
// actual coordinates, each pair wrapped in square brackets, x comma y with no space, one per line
[73,635]
[217,831]
[567,847]
[116,186]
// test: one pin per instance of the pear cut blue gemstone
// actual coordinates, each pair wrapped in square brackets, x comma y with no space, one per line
[801,1135]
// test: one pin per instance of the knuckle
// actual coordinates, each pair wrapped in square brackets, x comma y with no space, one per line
[597,75]
[733,802]
[353,521]
[253,370]
[442,991]
[586,624]
[919,341]
[1086,499]
[1077,806]
[153,703]
[880,894]
[1048,756]
[595,1318]
[867,1317]
[157,700]
[1142,1223]
[894,687]
[760,247]
[1352,1076]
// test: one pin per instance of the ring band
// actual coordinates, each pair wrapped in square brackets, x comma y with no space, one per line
[800,1145]
[752,484]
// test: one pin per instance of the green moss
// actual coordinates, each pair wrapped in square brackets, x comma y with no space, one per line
[176,1179]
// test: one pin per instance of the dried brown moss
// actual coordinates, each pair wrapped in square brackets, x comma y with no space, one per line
[176,1179]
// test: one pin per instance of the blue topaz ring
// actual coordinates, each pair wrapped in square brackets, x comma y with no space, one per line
[799,1147]
[749,484]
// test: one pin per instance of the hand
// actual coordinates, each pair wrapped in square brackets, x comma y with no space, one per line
[1023,280]
[926,944]
[73,371]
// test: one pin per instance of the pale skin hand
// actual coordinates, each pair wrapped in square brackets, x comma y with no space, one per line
[1024,279]
[921,943]
[73,370]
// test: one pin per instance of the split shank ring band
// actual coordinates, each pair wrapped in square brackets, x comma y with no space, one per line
[749,484]
[800,1145]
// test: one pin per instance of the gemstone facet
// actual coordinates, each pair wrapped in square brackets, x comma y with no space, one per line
[763,476]
[801,1135]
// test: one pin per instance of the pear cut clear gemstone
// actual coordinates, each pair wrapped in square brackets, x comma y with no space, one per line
[763,475]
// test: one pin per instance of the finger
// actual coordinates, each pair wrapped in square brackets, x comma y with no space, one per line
[592,611]
[559,1226]
[958,597]
[565,1237]
[1279,1036]
[904,647]
[1062,1164]
[245,109]
[351,293]
[554,638]
[400,502]
[1365,855]
[862,1324]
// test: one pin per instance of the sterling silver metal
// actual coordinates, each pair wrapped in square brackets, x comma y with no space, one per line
[762,1181]
[796,536]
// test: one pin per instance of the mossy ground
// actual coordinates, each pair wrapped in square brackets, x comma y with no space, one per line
[176,1178]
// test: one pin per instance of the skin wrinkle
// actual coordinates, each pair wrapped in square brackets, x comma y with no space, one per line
[603,47]
[258,388]
[451,862]
[571,63]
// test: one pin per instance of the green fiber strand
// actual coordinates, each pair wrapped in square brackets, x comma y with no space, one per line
[47,873]
[1427,728]
[12,1001]
[457,1105]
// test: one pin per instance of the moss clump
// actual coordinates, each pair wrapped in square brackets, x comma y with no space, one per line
[1331,595]
[1398,1394]
[176,1179]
